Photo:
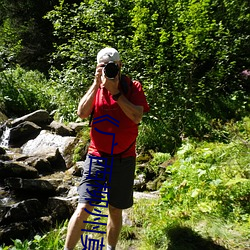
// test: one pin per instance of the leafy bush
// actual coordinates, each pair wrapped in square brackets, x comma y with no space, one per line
[24,91]
[212,178]
[205,200]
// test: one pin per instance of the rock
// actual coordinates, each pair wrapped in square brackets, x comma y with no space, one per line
[140,182]
[44,223]
[32,187]
[35,174]
[55,159]
[60,208]
[16,169]
[61,129]
[42,165]
[2,151]
[76,170]
[23,211]
[47,141]
[23,132]
[18,230]
[39,117]
[73,192]
[78,126]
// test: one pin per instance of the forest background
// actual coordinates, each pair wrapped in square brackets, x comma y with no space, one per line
[191,56]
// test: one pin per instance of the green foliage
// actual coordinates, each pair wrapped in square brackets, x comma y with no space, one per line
[212,178]
[81,149]
[24,91]
[205,201]
[188,56]
[53,240]
[10,44]
[26,38]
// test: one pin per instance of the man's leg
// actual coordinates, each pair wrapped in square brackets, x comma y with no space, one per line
[114,225]
[76,224]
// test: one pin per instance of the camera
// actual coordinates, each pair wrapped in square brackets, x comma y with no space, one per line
[111,69]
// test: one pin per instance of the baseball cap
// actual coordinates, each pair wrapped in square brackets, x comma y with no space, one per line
[108,54]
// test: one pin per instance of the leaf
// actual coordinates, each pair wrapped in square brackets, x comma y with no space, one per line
[204,207]
[195,193]
[235,181]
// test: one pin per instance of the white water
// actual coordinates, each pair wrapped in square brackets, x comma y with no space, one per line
[4,140]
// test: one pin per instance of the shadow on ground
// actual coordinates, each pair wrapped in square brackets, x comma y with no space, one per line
[184,238]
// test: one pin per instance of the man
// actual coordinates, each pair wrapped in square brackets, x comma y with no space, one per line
[122,99]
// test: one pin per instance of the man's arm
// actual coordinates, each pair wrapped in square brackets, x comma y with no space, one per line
[87,102]
[132,111]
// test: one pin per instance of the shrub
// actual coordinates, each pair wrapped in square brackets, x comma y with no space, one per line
[24,91]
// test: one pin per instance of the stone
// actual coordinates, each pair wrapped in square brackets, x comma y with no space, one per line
[44,223]
[22,133]
[78,126]
[47,141]
[23,211]
[32,187]
[60,208]
[39,117]
[3,117]
[76,170]
[56,160]
[140,182]
[41,164]
[16,169]
[17,230]
[61,129]
[2,151]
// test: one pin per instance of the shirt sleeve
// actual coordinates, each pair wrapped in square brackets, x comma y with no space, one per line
[138,97]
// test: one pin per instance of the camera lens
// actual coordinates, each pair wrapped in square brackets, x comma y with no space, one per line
[111,69]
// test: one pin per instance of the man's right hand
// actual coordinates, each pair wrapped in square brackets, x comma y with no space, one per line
[98,73]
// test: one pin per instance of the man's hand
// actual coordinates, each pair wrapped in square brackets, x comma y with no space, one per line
[98,74]
[111,84]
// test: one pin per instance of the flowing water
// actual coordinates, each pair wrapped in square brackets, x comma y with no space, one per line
[4,140]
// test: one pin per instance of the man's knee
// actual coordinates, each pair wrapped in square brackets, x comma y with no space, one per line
[113,211]
[82,211]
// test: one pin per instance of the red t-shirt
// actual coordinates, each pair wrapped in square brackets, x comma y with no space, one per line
[109,118]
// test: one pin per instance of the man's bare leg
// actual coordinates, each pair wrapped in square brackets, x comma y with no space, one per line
[114,226]
[76,224]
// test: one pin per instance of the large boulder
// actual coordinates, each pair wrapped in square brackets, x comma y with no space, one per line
[48,142]
[16,169]
[22,133]
[23,211]
[39,117]
[32,187]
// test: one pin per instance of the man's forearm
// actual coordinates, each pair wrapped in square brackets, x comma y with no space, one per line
[132,111]
[87,102]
